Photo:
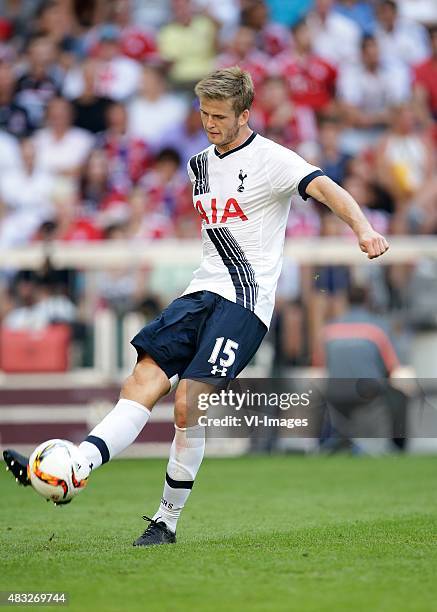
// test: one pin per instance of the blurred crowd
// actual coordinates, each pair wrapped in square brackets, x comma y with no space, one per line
[98,117]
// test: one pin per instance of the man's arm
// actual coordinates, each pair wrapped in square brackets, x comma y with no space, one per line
[344,206]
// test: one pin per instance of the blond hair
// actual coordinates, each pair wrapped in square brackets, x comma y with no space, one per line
[228,84]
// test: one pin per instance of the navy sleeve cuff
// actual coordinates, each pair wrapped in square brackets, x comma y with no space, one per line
[306,181]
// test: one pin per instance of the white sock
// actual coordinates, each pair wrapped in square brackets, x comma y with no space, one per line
[186,455]
[116,432]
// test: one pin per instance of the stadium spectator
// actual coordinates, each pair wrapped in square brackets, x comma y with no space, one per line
[154,108]
[272,38]
[425,80]
[335,37]
[25,194]
[127,157]
[90,108]
[61,148]
[311,79]
[164,185]
[188,42]
[367,92]
[55,21]
[68,222]
[94,183]
[188,137]
[117,76]
[40,81]
[44,306]
[120,290]
[405,160]
[52,305]
[13,117]
[399,39]
[332,159]
[360,12]
[241,51]
[276,116]
[18,293]
[20,299]
[358,347]
[136,41]
[148,220]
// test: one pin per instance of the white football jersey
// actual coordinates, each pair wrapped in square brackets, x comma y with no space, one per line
[243,197]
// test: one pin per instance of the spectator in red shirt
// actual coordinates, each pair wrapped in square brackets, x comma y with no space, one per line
[128,157]
[425,79]
[165,184]
[136,42]
[311,79]
[147,221]
[241,51]
[278,118]
[68,223]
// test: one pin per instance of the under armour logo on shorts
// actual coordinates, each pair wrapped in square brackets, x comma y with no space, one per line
[216,370]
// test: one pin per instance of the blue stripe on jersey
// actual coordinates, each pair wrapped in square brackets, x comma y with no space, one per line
[199,166]
[252,284]
[229,262]
[240,270]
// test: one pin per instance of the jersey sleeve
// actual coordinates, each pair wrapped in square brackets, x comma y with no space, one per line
[289,174]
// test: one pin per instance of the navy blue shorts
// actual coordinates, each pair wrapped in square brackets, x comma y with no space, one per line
[202,336]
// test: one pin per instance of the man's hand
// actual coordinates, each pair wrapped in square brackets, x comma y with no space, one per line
[372,243]
[341,202]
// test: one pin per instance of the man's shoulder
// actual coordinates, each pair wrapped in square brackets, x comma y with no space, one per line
[207,150]
[197,164]
[273,149]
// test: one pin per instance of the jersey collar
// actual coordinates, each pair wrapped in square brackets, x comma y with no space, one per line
[245,143]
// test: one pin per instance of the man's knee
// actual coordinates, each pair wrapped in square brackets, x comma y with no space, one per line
[147,383]
[181,412]
[187,410]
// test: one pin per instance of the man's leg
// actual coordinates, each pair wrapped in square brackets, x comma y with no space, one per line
[186,455]
[139,393]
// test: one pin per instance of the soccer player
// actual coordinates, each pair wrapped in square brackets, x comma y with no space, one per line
[242,184]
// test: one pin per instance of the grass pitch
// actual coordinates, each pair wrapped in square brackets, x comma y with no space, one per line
[259,533]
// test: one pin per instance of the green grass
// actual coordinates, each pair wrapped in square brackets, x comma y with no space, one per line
[278,533]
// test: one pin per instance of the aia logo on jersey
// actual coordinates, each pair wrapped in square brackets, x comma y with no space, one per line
[231,210]
[241,177]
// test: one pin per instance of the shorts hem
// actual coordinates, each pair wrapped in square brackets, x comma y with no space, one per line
[147,350]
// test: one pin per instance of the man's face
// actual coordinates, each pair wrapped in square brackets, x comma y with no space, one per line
[219,121]
[387,16]
[370,54]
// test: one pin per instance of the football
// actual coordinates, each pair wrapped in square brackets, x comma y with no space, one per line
[58,471]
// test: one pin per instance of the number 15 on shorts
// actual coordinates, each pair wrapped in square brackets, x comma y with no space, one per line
[228,350]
